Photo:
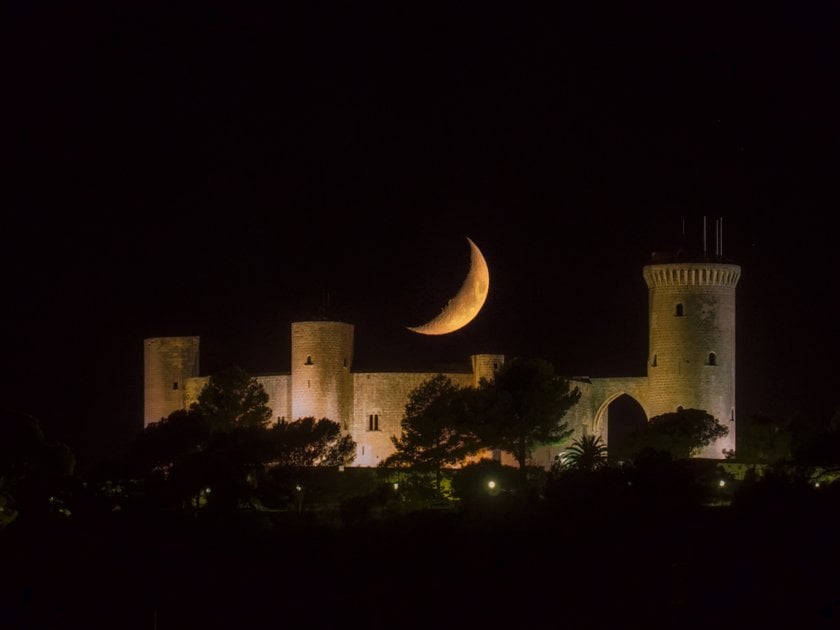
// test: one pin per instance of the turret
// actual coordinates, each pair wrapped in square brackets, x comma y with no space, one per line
[322,359]
[168,363]
[691,362]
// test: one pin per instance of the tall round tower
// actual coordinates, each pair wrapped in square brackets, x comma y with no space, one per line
[322,382]
[691,361]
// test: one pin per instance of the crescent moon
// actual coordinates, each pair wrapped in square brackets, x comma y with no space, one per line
[466,304]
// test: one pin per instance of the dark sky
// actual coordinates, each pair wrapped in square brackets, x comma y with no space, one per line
[186,168]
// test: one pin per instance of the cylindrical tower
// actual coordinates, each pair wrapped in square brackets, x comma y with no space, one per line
[691,362]
[322,383]
[168,362]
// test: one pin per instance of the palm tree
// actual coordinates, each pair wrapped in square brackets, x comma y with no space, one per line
[587,453]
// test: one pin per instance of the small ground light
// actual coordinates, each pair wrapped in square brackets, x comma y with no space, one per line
[396,486]
[721,483]
[817,484]
[491,484]
[298,488]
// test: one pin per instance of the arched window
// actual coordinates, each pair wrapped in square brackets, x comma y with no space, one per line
[653,362]
[679,312]
[712,359]
[308,360]
[373,422]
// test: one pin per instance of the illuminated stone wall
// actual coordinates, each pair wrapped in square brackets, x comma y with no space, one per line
[691,355]
[167,363]
[193,389]
[384,395]
[485,366]
[279,390]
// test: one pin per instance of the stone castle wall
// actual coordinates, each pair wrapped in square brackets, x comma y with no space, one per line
[384,395]
[691,364]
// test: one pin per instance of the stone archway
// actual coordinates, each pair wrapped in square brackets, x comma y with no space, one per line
[619,415]
[625,416]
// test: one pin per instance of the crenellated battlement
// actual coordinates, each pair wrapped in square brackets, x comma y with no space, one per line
[691,274]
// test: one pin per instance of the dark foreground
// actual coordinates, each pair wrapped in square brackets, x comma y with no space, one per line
[698,568]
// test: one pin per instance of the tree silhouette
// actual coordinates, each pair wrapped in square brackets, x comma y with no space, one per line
[435,432]
[32,467]
[681,434]
[310,442]
[232,398]
[524,405]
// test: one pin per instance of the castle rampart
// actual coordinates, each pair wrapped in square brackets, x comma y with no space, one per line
[691,364]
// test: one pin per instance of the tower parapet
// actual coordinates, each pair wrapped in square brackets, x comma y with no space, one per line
[691,274]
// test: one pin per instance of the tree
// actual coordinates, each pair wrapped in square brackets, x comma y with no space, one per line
[307,442]
[525,404]
[587,453]
[681,434]
[763,440]
[815,441]
[435,432]
[162,443]
[32,467]
[232,398]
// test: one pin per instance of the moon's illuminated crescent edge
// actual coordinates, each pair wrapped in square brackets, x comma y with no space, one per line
[466,304]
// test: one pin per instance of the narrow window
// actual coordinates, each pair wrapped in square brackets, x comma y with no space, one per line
[653,363]
[376,422]
[345,361]
[732,415]
[712,359]
[308,360]
[370,422]
[308,384]
[679,312]
[175,385]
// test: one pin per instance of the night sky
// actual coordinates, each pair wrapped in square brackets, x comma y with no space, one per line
[186,168]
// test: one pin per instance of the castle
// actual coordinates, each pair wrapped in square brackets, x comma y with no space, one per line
[691,364]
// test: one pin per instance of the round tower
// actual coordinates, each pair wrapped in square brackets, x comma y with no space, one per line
[691,362]
[167,363]
[322,383]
